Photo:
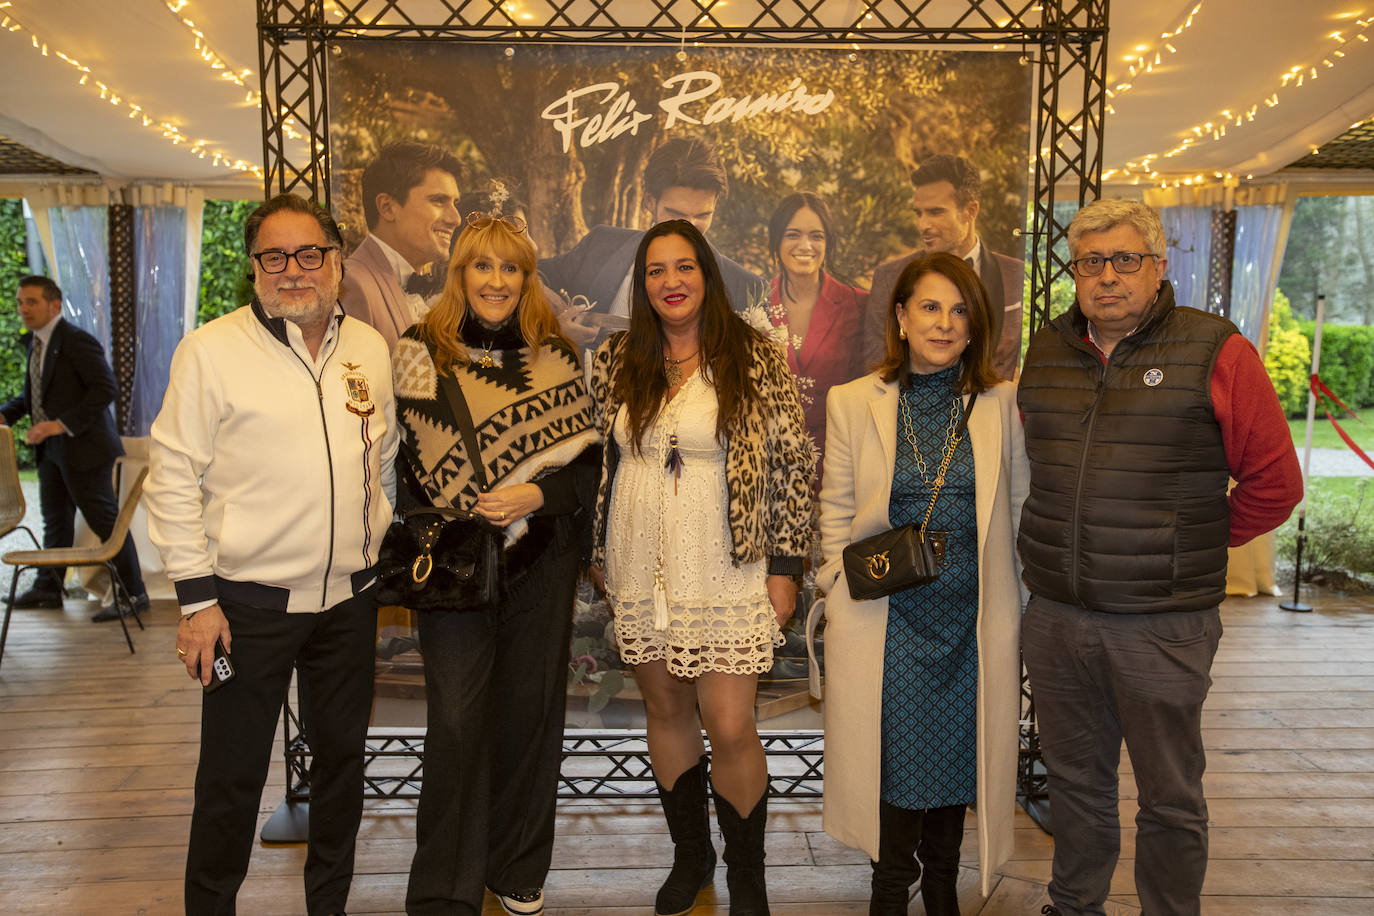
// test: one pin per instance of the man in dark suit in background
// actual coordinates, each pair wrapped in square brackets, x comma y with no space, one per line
[685,178]
[945,196]
[67,392]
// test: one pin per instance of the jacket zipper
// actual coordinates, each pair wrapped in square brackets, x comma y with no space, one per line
[329,460]
[1090,418]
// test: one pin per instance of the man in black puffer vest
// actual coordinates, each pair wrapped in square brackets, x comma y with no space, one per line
[1136,412]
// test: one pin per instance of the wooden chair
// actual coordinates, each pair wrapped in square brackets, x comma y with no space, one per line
[12,506]
[102,554]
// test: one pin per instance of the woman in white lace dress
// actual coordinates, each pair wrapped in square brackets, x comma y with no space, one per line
[703,519]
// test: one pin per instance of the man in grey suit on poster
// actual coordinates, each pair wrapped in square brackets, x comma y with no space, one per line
[410,203]
[946,200]
[685,178]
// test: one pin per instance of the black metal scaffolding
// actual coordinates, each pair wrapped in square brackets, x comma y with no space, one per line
[1066,40]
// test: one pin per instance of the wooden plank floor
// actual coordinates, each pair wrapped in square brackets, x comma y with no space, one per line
[98,750]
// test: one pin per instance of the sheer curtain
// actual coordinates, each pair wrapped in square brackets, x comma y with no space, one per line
[72,222]
[1263,214]
[1255,270]
[159,318]
[1188,239]
[81,236]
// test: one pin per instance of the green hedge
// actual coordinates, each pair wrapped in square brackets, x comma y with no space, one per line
[1347,361]
[14,361]
[1288,357]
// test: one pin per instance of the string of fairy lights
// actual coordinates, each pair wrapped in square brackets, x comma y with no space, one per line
[171,132]
[1146,168]
[1143,61]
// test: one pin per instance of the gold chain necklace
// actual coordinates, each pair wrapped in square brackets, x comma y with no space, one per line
[951,442]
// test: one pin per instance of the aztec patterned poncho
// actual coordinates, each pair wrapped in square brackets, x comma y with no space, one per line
[532,415]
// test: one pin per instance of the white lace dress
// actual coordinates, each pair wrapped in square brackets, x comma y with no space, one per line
[711,614]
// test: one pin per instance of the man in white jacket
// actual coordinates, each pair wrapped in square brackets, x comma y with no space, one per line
[270,489]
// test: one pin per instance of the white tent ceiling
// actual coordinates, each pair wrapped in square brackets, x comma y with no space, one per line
[1232,57]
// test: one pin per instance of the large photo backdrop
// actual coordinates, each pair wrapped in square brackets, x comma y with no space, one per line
[891,151]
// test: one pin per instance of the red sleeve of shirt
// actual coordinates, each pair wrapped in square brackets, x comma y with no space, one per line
[1259,447]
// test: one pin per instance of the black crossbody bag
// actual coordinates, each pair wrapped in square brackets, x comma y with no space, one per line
[900,557]
[436,558]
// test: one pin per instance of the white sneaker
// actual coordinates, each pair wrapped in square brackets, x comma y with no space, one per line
[523,903]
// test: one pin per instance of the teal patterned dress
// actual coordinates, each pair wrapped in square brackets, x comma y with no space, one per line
[930,657]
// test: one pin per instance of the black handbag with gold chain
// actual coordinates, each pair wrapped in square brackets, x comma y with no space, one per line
[901,557]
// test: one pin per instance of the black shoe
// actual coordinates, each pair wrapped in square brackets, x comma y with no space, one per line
[110,612]
[35,598]
[1048,910]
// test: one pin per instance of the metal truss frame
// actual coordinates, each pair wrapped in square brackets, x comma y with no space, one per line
[1066,40]
[596,764]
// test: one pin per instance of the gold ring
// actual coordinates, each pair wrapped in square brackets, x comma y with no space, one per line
[181,653]
[503,516]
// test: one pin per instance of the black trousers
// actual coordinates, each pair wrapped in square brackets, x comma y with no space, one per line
[333,653]
[496,687]
[61,492]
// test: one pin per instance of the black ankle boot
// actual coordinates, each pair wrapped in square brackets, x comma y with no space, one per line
[744,856]
[694,858]
[899,830]
[942,833]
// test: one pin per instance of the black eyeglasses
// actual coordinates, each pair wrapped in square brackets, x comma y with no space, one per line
[479,220]
[311,257]
[1123,262]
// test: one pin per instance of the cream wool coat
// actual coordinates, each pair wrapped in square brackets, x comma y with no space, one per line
[861,422]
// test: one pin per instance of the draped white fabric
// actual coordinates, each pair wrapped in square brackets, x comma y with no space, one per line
[80,260]
[1254,272]
[1263,214]
[72,219]
[159,314]
[1188,240]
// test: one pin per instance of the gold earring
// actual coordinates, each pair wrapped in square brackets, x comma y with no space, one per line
[901,332]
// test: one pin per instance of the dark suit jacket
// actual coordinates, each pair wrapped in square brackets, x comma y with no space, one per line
[78,388]
[596,266]
[1002,276]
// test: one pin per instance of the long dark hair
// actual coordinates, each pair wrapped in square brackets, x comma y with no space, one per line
[788,207]
[641,381]
[976,373]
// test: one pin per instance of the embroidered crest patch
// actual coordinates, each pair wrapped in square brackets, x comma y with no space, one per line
[1153,377]
[359,397]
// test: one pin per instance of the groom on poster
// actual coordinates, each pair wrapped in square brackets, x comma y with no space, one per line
[684,179]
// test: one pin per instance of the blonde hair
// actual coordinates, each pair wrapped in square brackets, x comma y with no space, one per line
[442,327]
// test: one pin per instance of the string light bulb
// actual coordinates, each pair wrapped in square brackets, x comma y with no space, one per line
[166,129]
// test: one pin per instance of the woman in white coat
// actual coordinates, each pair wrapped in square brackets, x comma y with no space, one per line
[922,701]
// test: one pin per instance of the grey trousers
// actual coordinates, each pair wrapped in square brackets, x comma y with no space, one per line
[1098,678]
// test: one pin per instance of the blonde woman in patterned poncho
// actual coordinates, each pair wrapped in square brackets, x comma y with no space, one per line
[495,676]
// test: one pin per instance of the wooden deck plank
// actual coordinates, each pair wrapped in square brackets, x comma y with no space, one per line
[98,751]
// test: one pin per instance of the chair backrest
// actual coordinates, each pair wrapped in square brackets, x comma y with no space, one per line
[12,506]
[126,514]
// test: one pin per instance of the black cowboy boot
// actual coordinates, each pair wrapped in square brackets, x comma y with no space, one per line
[744,856]
[694,858]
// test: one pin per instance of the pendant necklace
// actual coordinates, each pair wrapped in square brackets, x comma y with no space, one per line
[485,360]
[672,368]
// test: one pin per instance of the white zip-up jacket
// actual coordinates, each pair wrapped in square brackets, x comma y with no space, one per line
[273,474]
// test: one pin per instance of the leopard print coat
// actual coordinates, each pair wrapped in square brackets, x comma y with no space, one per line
[768,465]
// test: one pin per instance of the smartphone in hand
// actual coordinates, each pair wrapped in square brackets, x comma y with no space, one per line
[222,669]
